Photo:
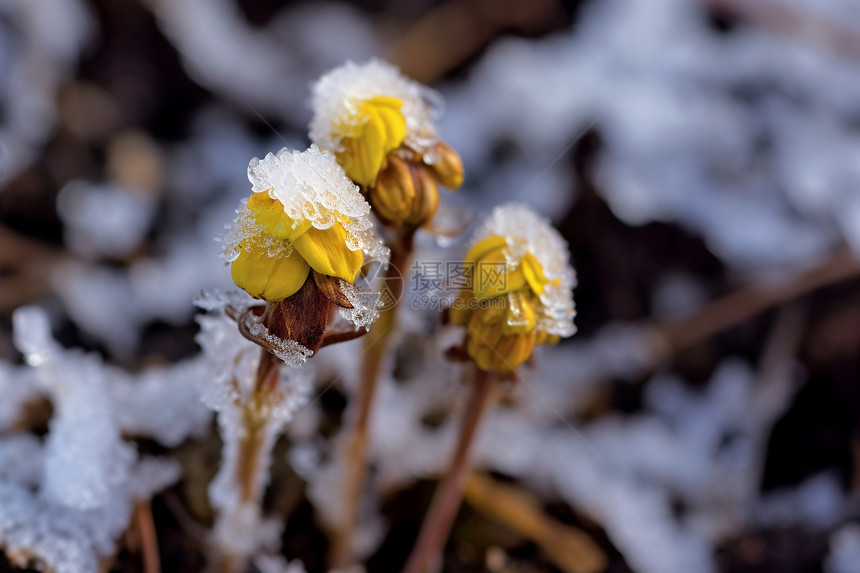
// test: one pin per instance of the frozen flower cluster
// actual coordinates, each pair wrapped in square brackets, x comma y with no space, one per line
[744,137]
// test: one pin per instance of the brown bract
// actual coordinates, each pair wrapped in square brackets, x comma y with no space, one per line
[302,317]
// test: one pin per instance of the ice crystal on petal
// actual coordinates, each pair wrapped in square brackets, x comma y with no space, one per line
[338,95]
[312,187]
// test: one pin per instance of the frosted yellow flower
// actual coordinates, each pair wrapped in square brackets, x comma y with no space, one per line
[303,215]
[299,241]
[381,126]
[521,289]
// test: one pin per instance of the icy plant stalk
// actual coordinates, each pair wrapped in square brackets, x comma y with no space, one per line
[297,246]
[254,400]
[381,127]
[520,271]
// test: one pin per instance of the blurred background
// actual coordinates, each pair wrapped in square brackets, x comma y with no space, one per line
[701,157]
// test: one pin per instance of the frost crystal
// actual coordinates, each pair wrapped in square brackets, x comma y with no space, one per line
[312,187]
[365,305]
[525,231]
[289,351]
[337,97]
[64,502]
[162,403]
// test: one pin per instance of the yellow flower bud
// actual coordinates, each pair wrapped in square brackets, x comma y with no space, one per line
[394,192]
[520,291]
[426,197]
[305,214]
[448,167]
[491,348]
[372,117]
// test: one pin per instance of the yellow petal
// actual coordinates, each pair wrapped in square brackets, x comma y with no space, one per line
[493,350]
[485,246]
[493,276]
[366,146]
[533,272]
[326,252]
[269,213]
[270,278]
[546,338]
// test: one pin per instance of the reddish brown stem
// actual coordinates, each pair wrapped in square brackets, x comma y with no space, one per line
[376,346]
[426,555]
[148,538]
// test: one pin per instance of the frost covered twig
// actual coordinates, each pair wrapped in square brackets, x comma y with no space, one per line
[254,399]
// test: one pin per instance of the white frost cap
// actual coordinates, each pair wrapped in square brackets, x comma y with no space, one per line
[312,187]
[337,97]
[526,231]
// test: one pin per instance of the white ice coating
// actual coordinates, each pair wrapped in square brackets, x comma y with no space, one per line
[289,351]
[337,97]
[525,231]
[228,389]
[312,187]
[365,305]
[64,501]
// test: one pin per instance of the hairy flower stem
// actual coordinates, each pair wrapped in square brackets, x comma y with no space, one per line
[427,553]
[252,449]
[376,348]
